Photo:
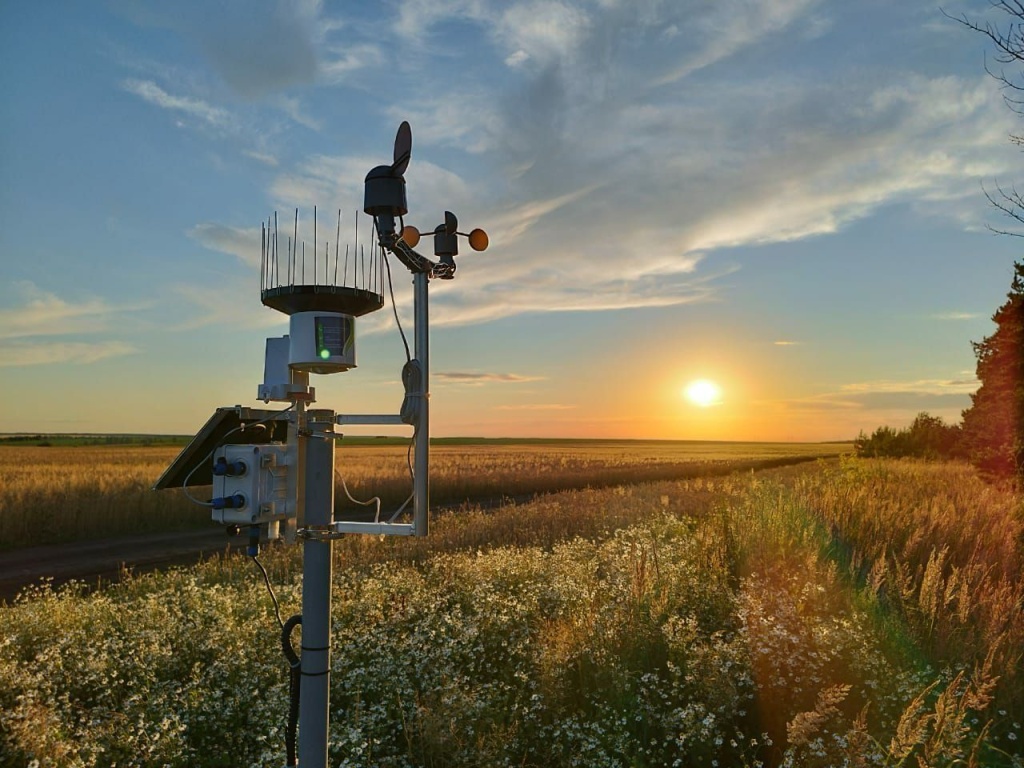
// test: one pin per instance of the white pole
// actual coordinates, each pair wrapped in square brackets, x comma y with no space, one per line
[314,705]
[421,473]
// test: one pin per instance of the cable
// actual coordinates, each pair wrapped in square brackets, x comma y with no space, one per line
[294,684]
[374,500]
[270,589]
[184,485]
[394,308]
[412,382]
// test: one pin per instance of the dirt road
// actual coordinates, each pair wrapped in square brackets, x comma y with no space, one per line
[104,561]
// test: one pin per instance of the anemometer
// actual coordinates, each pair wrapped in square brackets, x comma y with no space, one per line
[272,471]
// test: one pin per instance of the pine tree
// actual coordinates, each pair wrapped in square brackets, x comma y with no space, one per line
[993,427]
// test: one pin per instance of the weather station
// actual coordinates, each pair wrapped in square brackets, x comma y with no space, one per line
[272,472]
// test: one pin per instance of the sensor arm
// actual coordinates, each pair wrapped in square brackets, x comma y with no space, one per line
[416,262]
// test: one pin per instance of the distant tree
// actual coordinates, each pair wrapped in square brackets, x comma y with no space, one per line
[928,437]
[994,424]
[1009,44]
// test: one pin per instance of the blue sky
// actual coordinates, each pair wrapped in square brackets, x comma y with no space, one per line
[783,196]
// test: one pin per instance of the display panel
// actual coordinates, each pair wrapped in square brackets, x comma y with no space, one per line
[332,335]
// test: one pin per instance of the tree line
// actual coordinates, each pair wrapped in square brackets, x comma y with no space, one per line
[991,434]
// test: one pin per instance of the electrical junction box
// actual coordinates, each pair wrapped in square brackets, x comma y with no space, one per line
[322,342]
[250,484]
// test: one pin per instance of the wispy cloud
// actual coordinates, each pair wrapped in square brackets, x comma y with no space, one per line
[263,157]
[154,94]
[31,330]
[41,313]
[460,377]
[921,386]
[339,62]
[957,315]
[784,343]
[720,31]
[240,242]
[204,306]
[537,407]
[24,353]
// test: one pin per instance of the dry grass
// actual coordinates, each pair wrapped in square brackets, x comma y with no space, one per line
[56,494]
[940,548]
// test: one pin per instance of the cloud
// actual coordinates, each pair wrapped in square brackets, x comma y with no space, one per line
[887,400]
[154,94]
[537,407]
[602,191]
[454,118]
[783,343]
[204,307]
[262,157]
[913,401]
[458,377]
[957,316]
[19,353]
[240,242]
[341,61]
[720,30]
[30,330]
[542,30]
[41,313]
[292,107]
[918,386]
[416,17]
[259,48]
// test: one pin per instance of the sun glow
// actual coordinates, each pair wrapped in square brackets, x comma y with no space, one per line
[703,393]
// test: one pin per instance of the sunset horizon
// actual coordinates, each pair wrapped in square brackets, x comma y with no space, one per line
[791,210]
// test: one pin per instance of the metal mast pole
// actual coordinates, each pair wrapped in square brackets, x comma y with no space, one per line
[314,704]
[421,473]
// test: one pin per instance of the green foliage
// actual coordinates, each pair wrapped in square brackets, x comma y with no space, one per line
[994,424]
[928,437]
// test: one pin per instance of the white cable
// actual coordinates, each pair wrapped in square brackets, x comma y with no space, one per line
[373,501]
[261,424]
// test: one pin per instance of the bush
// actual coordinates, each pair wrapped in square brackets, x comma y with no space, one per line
[928,437]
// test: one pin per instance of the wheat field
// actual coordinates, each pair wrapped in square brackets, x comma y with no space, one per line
[56,494]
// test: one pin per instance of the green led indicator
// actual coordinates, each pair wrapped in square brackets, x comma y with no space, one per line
[325,353]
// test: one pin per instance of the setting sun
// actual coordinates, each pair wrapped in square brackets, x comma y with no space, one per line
[703,393]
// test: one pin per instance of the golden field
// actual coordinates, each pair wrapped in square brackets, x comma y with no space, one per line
[55,494]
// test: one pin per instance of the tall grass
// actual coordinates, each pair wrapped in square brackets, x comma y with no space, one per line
[712,621]
[939,548]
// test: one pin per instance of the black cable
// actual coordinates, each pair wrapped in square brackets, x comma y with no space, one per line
[394,308]
[294,684]
[270,589]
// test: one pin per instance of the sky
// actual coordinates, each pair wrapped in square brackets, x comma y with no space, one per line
[783,197]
